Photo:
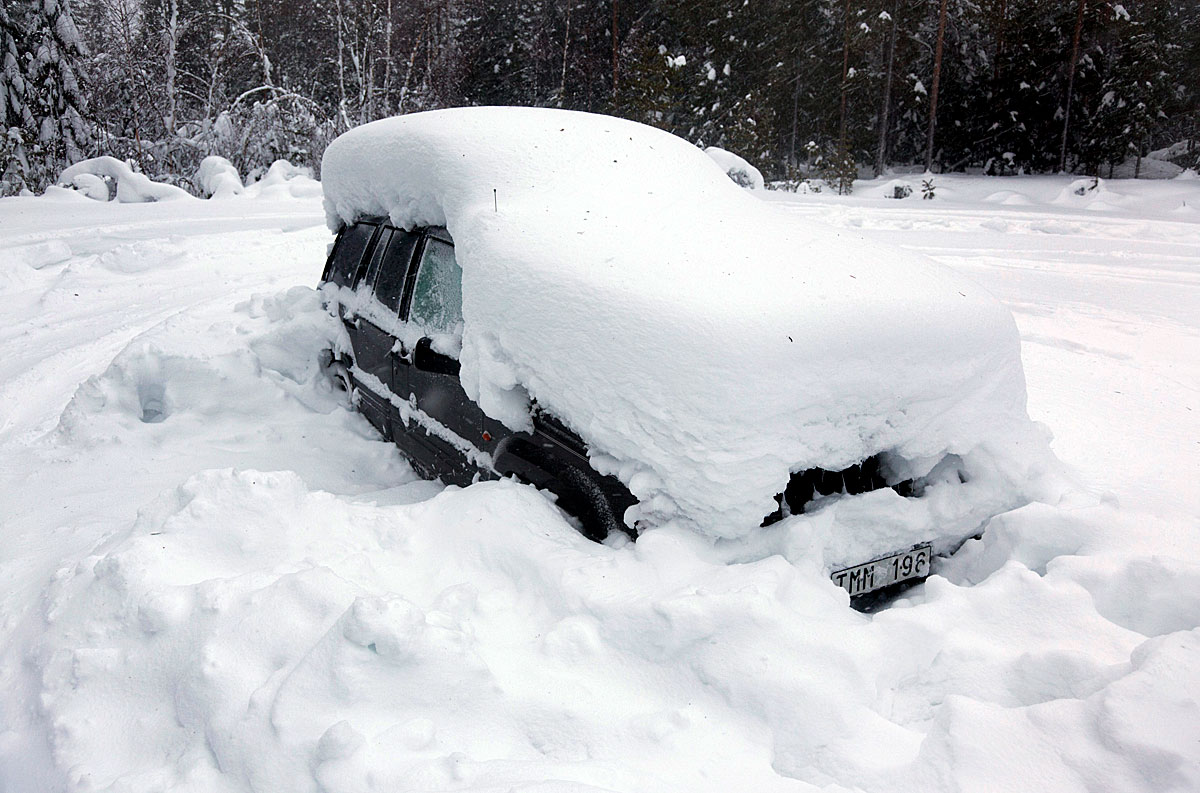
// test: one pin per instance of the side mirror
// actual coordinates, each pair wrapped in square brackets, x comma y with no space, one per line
[427,359]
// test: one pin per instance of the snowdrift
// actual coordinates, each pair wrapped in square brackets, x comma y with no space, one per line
[703,343]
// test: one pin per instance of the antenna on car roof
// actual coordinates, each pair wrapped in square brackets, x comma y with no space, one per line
[495,201]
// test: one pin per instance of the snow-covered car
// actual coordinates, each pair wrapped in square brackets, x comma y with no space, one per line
[591,305]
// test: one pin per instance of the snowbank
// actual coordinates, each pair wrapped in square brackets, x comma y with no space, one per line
[217,178]
[132,187]
[740,171]
[703,343]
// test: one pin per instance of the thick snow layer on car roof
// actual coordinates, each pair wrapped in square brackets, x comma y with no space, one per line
[703,342]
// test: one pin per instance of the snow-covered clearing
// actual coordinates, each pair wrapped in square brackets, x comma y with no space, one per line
[214,578]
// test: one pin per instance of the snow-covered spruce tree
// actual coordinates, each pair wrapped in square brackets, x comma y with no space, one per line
[54,97]
[15,119]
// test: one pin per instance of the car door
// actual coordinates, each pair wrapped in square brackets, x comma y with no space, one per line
[372,370]
[379,284]
[451,425]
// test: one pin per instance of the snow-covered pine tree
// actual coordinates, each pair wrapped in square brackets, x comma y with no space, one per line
[55,99]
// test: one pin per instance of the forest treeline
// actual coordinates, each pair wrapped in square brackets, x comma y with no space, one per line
[1003,85]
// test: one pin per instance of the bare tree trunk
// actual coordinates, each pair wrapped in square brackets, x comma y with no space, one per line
[562,85]
[614,50]
[171,67]
[172,36]
[793,163]
[412,57]
[845,72]
[885,111]
[999,21]
[387,62]
[368,105]
[933,93]
[1062,151]
[341,64]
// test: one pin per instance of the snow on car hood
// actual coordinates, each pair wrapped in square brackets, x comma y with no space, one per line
[704,344]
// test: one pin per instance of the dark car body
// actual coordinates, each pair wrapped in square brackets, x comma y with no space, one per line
[411,393]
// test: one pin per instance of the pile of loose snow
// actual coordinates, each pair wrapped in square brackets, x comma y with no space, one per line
[740,171]
[703,343]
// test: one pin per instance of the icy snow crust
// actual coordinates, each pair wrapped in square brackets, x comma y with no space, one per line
[703,343]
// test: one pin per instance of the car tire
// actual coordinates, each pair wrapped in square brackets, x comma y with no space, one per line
[333,367]
[582,497]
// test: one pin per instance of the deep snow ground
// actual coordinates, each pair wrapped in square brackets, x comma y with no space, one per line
[214,578]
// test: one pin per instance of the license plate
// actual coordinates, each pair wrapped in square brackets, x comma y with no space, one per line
[885,571]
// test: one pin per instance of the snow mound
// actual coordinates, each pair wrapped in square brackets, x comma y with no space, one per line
[704,343]
[741,172]
[284,180]
[217,178]
[132,187]
[1008,198]
[1092,194]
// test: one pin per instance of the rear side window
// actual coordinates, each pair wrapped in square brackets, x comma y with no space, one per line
[372,268]
[389,283]
[348,253]
[437,296]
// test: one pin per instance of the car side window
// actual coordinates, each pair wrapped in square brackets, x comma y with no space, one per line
[371,268]
[348,253]
[437,296]
[389,283]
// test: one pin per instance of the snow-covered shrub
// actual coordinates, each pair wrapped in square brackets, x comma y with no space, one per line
[132,187]
[283,179]
[838,170]
[282,171]
[736,168]
[217,178]
[14,165]
[897,188]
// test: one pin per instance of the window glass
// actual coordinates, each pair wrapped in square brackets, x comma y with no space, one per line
[437,297]
[372,268]
[389,284]
[348,252]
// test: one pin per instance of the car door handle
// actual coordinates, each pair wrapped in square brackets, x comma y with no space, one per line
[402,353]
